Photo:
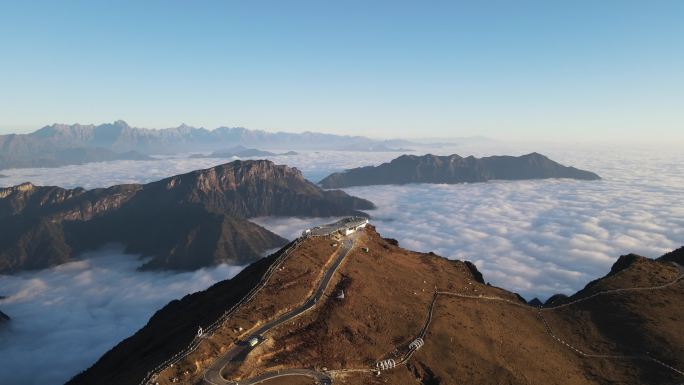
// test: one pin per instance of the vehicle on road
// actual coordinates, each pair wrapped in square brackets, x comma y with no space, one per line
[213,375]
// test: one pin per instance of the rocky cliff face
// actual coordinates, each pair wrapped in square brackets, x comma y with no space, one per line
[69,204]
[255,188]
[455,169]
[183,222]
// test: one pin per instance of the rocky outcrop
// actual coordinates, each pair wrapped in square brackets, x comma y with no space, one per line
[477,276]
[455,169]
[623,263]
[674,256]
[255,188]
[4,318]
[183,222]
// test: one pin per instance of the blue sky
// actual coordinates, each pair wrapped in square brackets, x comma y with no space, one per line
[578,70]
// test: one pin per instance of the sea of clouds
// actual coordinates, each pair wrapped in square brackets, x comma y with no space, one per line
[313,164]
[66,317]
[539,237]
[533,237]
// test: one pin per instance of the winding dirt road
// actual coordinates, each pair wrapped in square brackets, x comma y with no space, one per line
[240,350]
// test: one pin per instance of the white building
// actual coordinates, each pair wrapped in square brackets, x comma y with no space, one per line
[344,226]
[355,225]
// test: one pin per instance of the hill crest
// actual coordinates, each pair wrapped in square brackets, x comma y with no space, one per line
[413,317]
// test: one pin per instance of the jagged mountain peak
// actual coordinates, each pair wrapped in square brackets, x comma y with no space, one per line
[251,188]
[240,173]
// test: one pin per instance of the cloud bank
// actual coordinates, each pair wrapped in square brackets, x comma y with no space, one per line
[314,165]
[65,318]
[534,237]
[542,237]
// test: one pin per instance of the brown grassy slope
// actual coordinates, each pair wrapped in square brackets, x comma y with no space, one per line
[475,341]
[288,287]
[388,292]
[628,323]
[470,340]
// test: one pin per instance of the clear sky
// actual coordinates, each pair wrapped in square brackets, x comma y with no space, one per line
[580,70]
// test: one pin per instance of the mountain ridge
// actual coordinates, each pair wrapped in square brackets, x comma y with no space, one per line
[183,222]
[455,169]
[63,144]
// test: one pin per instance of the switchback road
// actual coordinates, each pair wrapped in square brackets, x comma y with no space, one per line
[213,374]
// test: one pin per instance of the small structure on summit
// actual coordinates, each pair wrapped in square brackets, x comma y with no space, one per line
[344,226]
[353,224]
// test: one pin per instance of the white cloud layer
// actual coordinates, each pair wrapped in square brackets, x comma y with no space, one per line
[543,237]
[534,237]
[65,318]
[313,164]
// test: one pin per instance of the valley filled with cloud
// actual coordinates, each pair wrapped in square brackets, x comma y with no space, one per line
[66,317]
[537,238]
[314,165]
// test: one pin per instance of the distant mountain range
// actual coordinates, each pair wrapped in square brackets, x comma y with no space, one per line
[183,222]
[241,152]
[61,144]
[455,169]
[45,156]
[382,147]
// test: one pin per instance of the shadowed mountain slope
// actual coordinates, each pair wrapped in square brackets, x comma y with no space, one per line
[674,256]
[184,222]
